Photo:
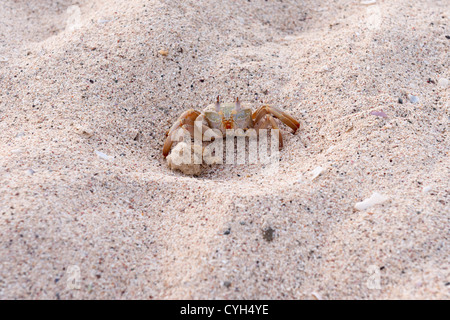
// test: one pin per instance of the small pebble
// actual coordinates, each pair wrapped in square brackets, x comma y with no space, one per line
[85,132]
[400,100]
[413,99]
[164,52]
[426,189]
[268,234]
[443,82]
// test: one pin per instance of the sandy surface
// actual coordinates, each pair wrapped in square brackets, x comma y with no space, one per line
[132,228]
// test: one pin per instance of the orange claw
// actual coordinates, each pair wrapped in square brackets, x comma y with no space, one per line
[277,113]
[186,121]
[265,122]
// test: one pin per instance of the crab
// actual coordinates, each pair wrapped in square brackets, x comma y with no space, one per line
[226,116]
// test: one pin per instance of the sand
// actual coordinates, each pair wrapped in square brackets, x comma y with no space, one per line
[90,210]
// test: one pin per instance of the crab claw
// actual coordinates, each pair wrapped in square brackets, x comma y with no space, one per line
[185,121]
[277,113]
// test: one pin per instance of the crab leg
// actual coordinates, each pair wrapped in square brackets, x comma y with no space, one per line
[186,121]
[263,123]
[277,113]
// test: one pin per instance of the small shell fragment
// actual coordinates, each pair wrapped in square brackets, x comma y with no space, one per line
[103,156]
[316,172]
[379,114]
[324,68]
[316,296]
[374,199]
[17,151]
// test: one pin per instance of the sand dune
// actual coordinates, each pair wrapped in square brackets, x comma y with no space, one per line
[86,76]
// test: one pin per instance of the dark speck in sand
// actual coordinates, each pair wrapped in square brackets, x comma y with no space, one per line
[227,232]
[227,284]
[268,234]
[448,37]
